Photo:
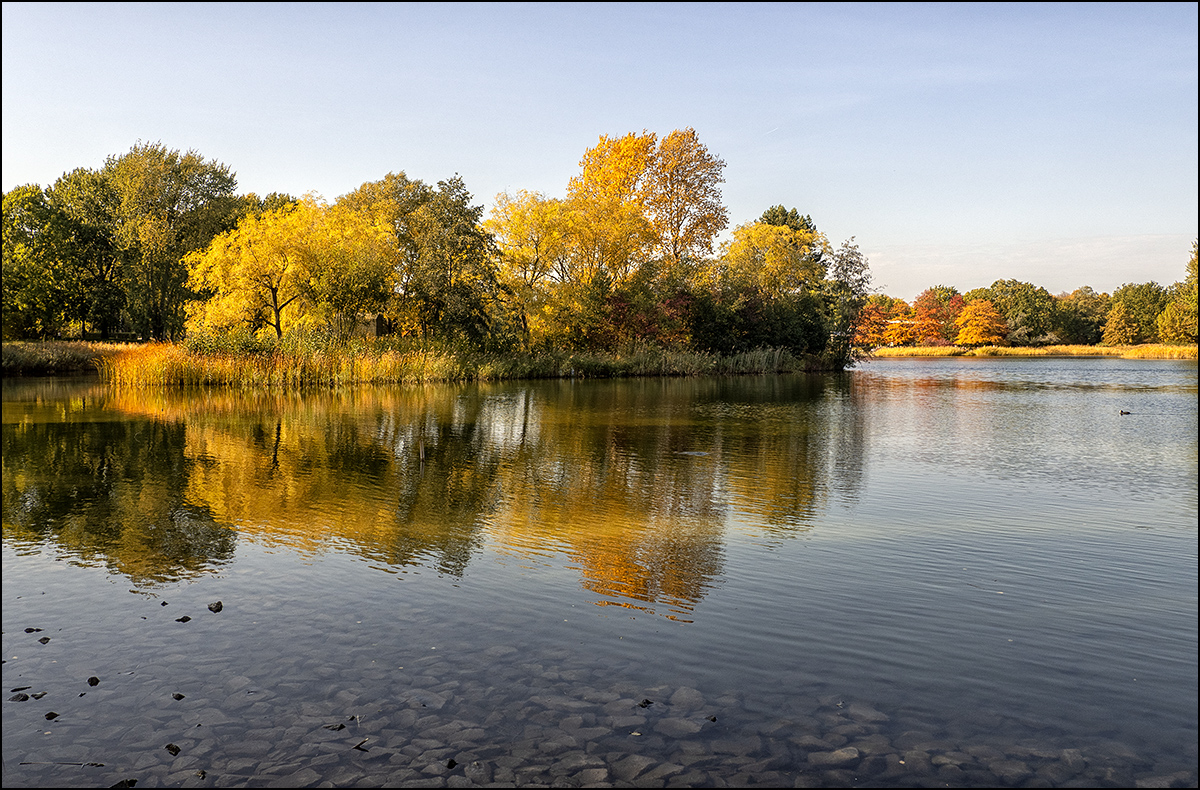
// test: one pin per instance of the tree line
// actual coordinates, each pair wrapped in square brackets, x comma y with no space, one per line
[158,244]
[1011,312]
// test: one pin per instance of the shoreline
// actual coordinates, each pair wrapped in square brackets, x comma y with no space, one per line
[381,363]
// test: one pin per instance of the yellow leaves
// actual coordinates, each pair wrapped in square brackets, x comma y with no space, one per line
[773,258]
[300,257]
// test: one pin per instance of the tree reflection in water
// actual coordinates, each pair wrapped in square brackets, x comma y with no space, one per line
[634,482]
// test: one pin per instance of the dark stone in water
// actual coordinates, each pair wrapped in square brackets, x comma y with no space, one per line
[44,639]
[164,603]
[712,718]
[93,681]
[335,727]
[51,716]
[125,783]
[173,749]
[645,703]
[183,619]
[451,763]
[19,697]
[201,774]
[21,688]
[177,696]
[215,607]
[39,695]
[32,630]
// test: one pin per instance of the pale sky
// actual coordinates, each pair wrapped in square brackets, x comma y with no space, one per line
[960,144]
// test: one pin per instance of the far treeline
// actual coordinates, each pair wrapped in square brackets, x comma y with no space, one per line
[1014,313]
[157,244]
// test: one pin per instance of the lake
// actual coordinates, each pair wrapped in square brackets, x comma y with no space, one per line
[920,572]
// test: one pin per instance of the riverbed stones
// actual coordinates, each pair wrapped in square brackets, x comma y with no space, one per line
[835,758]
[677,727]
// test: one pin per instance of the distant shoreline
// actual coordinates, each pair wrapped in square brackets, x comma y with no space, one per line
[1144,351]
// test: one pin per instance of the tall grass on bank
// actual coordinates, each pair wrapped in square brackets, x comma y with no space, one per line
[55,357]
[381,362]
[1145,351]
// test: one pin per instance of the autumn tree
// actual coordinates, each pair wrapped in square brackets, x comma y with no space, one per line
[530,232]
[980,324]
[306,258]
[1177,322]
[1119,328]
[1143,302]
[879,314]
[902,326]
[935,310]
[1029,310]
[766,288]
[682,195]
[610,230]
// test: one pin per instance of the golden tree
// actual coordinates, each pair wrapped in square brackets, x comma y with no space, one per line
[683,197]
[304,258]
[980,324]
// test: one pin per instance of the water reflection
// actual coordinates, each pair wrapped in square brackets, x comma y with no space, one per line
[634,483]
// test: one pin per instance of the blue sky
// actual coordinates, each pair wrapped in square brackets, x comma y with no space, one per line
[960,144]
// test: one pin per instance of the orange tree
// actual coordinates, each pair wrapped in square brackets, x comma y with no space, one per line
[980,324]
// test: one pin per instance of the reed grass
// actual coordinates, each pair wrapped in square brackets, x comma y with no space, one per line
[55,357]
[309,363]
[1144,351]
[919,351]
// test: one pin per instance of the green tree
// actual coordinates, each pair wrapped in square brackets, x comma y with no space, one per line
[167,204]
[1143,302]
[1080,316]
[39,291]
[1029,310]
[446,284]
[846,293]
[87,199]
[778,215]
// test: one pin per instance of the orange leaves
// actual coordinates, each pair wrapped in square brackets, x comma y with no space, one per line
[980,324]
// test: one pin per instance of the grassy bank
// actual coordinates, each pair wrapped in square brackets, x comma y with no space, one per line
[379,363]
[1145,351]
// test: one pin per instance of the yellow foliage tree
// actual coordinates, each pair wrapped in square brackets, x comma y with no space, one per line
[683,198]
[775,259]
[531,233]
[305,258]
[980,324]
[610,232]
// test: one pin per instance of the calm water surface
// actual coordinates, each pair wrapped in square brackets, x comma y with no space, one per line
[921,572]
